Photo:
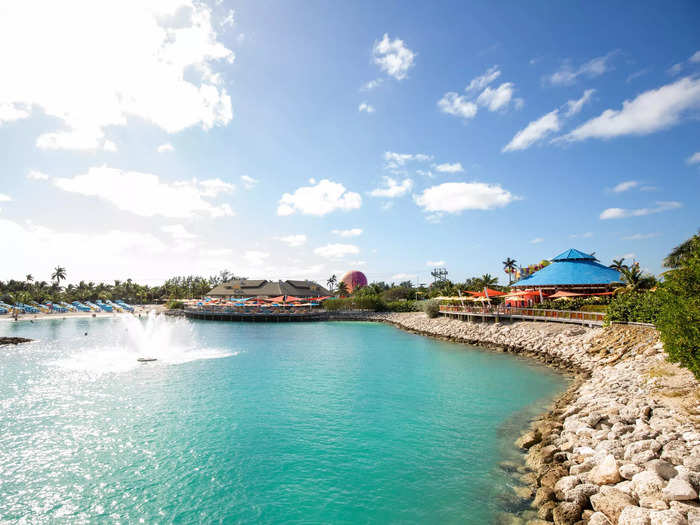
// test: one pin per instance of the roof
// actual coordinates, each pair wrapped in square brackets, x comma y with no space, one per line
[573,254]
[572,267]
[265,288]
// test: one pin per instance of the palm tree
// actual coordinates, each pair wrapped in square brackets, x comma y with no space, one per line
[342,290]
[680,253]
[618,264]
[331,282]
[29,277]
[635,279]
[509,264]
[59,274]
[487,280]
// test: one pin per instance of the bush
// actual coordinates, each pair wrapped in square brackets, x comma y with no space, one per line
[636,307]
[175,305]
[431,308]
[678,320]
[402,306]
[367,302]
[397,293]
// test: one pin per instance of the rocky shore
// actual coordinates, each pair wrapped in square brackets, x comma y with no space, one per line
[14,340]
[621,446]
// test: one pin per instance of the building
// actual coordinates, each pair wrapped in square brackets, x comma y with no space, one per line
[264,288]
[572,271]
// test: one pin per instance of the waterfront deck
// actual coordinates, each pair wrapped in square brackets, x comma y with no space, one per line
[500,313]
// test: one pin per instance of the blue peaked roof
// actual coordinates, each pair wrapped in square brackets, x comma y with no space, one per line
[572,267]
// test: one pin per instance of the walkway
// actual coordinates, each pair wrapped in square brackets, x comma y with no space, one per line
[500,313]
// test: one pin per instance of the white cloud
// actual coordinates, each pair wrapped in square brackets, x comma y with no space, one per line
[320,199]
[372,84]
[454,197]
[109,146]
[393,188]
[695,58]
[395,161]
[5,198]
[575,106]
[536,240]
[651,111]
[37,175]
[534,132]
[480,82]
[352,232]
[624,186]
[403,276]
[293,241]
[178,232]
[249,182]
[586,235]
[622,213]
[449,168]
[336,251]
[435,263]
[146,195]
[255,257]
[455,104]
[393,57]
[165,148]
[675,69]
[365,107]
[229,19]
[90,76]
[495,99]
[568,75]
[694,158]
[640,236]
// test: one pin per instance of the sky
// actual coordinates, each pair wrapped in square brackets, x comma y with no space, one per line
[302,139]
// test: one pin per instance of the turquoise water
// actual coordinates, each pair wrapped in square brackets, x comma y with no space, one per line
[256,423]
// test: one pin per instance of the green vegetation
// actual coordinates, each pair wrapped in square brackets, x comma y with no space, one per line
[175,305]
[431,308]
[635,307]
[581,304]
[368,302]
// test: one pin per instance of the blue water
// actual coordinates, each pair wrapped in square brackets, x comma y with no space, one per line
[256,423]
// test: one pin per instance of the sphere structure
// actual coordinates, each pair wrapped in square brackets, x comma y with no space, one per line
[354,279]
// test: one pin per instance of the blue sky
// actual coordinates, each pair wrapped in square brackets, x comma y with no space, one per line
[301,139]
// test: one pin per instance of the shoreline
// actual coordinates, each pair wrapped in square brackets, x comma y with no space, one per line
[145,309]
[620,446]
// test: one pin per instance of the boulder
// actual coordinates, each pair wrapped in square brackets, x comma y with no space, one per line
[674,451]
[693,517]
[567,513]
[692,463]
[642,446]
[606,473]
[542,495]
[598,518]
[650,502]
[647,483]
[635,516]
[628,470]
[667,517]
[679,490]
[564,485]
[610,501]
[546,510]
[528,439]
[581,493]
[663,468]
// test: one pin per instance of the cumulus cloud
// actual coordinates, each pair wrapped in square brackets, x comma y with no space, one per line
[293,241]
[495,99]
[393,57]
[458,105]
[5,198]
[455,167]
[91,76]
[694,158]
[365,107]
[146,195]
[37,175]
[480,82]
[567,74]
[249,182]
[336,251]
[395,161]
[319,199]
[536,240]
[534,132]
[640,236]
[255,257]
[624,186]
[392,188]
[651,111]
[574,106]
[178,232]
[466,106]
[435,263]
[165,148]
[454,197]
[622,213]
[368,86]
[352,232]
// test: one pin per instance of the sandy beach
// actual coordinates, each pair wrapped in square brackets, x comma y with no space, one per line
[143,310]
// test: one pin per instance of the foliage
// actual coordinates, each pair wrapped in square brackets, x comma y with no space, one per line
[176,305]
[398,293]
[431,308]
[342,290]
[635,280]
[636,307]
[369,302]
[509,268]
[679,318]
[574,304]
[402,306]
[331,282]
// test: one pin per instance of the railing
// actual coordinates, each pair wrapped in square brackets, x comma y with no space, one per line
[503,311]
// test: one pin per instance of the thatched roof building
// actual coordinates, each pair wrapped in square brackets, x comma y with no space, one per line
[265,288]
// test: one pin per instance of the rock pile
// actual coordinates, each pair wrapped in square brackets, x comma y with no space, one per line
[622,445]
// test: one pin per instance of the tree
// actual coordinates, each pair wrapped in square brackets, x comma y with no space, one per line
[342,290]
[618,264]
[635,279]
[488,280]
[29,278]
[59,274]
[681,252]
[331,282]
[509,267]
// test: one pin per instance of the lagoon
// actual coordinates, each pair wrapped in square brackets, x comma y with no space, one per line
[257,423]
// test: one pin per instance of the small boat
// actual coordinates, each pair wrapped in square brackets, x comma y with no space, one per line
[146,359]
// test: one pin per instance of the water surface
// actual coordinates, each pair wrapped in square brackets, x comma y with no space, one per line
[264,423]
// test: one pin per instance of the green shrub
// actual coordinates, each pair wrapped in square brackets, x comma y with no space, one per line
[367,302]
[594,308]
[678,320]
[431,308]
[397,293]
[402,306]
[175,305]
[636,307]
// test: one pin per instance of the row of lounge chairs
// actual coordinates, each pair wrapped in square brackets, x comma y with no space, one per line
[62,307]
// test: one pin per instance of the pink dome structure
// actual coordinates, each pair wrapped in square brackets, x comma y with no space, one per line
[354,279]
